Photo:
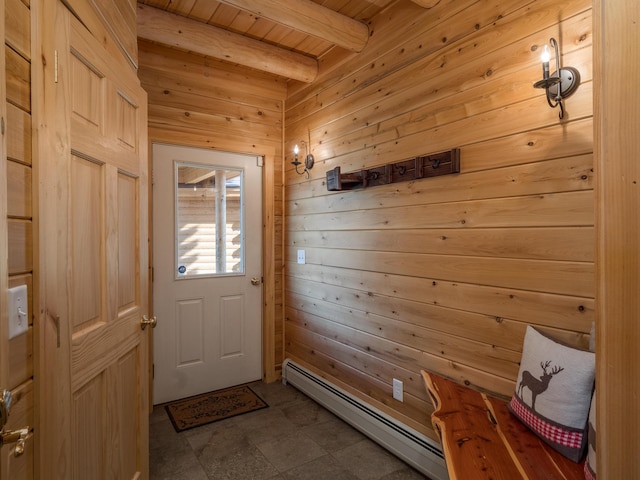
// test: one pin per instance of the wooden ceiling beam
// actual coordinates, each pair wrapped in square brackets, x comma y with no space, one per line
[194,174]
[176,31]
[311,18]
[426,3]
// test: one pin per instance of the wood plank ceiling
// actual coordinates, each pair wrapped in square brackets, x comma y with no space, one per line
[283,37]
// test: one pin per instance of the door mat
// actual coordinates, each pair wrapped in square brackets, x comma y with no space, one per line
[214,406]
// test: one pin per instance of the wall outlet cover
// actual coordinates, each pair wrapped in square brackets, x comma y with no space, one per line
[302,257]
[397,390]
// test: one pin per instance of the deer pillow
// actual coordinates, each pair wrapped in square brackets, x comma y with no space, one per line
[553,392]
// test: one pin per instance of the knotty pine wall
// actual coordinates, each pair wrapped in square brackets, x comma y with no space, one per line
[199,102]
[444,273]
[17,47]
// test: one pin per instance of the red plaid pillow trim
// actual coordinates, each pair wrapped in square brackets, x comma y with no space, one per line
[553,433]
[588,474]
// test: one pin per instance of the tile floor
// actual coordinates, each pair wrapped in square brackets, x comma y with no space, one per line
[293,439]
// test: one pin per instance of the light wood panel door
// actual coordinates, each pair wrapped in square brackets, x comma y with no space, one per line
[94,258]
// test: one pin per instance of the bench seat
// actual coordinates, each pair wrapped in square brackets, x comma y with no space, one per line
[481,439]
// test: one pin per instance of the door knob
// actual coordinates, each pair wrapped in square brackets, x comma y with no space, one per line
[144,321]
[5,406]
[255,281]
[19,437]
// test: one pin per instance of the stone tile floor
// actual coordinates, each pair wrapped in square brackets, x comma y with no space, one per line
[293,439]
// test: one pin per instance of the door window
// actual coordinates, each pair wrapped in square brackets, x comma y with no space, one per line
[209,220]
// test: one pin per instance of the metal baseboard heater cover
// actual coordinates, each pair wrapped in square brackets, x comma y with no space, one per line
[411,446]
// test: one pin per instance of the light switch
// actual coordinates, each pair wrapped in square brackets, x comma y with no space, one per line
[18,311]
[301,256]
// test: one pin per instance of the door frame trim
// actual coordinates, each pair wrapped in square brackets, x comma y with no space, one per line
[4,225]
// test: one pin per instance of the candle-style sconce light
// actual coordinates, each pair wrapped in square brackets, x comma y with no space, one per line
[308,159]
[561,83]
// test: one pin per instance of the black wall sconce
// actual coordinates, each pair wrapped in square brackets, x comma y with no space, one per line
[308,159]
[561,83]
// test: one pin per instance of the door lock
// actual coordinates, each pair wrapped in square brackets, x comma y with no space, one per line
[144,321]
[255,281]
[19,437]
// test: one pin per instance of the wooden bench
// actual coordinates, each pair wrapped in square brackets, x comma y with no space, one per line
[482,439]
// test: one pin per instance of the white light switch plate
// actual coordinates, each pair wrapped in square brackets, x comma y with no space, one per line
[18,311]
[301,256]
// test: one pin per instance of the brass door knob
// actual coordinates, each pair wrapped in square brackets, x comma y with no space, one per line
[19,437]
[144,321]
[255,281]
[5,406]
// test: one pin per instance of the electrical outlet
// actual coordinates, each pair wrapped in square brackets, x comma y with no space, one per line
[18,311]
[397,389]
[301,256]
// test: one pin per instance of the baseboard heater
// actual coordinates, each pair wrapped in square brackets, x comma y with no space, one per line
[411,446]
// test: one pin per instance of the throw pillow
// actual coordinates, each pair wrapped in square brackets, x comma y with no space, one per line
[590,464]
[553,392]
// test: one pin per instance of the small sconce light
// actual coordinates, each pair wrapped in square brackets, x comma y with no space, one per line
[308,159]
[561,83]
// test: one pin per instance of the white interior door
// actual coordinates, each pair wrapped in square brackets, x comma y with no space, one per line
[207,289]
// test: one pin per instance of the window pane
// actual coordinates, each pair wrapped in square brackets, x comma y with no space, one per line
[208,220]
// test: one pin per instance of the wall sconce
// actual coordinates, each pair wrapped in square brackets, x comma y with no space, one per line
[561,83]
[308,159]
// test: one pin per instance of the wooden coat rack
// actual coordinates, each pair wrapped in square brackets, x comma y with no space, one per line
[424,166]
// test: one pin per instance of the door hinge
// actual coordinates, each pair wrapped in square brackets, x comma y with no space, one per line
[153,274]
[55,66]
[153,371]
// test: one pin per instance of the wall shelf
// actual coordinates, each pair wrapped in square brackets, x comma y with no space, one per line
[423,166]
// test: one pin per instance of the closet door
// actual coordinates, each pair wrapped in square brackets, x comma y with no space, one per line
[93,256]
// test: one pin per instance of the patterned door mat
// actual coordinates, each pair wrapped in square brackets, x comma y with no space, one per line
[210,407]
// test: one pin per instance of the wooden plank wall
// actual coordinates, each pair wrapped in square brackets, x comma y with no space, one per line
[197,101]
[444,273]
[17,47]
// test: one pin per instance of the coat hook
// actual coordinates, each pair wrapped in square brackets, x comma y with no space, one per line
[404,171]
